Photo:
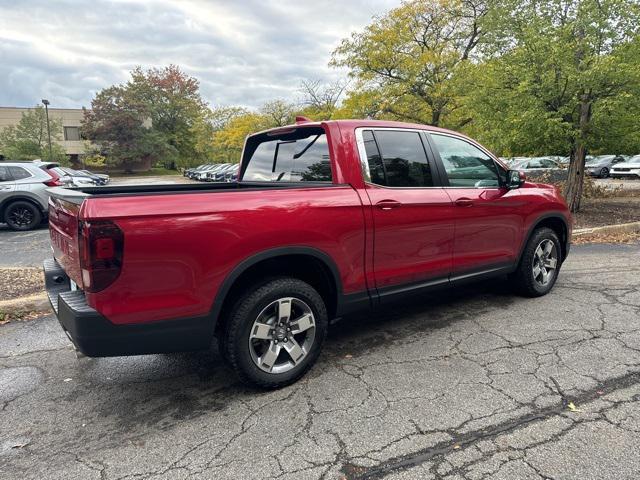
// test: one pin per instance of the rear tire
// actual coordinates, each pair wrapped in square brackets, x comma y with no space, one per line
[604,173]
[275,332]
[22,215]
[539,265]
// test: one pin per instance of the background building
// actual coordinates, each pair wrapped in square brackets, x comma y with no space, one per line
[70,118]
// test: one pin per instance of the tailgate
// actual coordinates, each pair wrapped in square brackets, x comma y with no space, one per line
[64,208]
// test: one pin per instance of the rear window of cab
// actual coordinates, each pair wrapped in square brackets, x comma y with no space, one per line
[293,155]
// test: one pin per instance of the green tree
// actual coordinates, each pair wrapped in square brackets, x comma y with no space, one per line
[557,71]
[171,100]
[28,140]
[411,57]
[118,126]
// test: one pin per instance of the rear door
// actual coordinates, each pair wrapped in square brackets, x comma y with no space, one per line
[7,184]
[412,214]
[487,218]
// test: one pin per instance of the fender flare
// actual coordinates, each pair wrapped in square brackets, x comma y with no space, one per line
[247,263]
[534,225]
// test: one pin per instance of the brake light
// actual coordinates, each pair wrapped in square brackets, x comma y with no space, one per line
[101,246]
[55,180]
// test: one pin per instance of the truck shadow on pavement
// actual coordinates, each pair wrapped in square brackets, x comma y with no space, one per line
[162,390]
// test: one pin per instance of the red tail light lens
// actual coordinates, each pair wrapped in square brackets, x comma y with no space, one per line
[101,246]
[55,180]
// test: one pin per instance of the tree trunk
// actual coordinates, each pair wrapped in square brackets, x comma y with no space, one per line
[575,176]
[435,116]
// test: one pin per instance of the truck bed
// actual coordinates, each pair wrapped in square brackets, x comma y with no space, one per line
[78,194]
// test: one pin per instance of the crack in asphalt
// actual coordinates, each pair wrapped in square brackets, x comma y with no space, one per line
[354,472]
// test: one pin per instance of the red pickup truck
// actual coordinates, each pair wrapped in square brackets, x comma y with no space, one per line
[326,218]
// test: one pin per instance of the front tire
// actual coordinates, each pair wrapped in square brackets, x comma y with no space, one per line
[604,173]
[21,215]
[275,332]
[539,265]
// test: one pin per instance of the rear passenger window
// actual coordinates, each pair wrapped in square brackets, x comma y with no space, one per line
[4,174]
[18,173]
[466,165]
[397,159]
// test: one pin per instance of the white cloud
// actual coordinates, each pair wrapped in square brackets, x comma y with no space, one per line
[243,52]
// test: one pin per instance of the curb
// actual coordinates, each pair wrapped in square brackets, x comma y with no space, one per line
[32,303]
[633,227]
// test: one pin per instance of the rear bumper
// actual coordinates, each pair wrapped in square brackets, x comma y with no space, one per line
[95,336]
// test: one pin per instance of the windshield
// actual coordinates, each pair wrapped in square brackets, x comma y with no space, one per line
[634,159]
[295,155]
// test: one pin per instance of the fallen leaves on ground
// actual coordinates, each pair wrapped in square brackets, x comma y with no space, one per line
[6,317]
[598,212]
[622,237]
[571,406]
[20,282]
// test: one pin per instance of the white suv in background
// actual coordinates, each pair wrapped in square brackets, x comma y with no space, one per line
[628,169]
[24,200]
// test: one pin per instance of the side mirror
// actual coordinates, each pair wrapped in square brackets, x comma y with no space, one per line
[515,179]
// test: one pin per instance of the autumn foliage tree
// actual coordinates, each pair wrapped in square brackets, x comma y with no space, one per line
[158,115]
[409,58]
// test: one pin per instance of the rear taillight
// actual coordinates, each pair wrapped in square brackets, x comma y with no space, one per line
[101,245]
[55,180]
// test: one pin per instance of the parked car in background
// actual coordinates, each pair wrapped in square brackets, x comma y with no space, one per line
[628,169]
[600,165]
[24,198]
[77,178]
[211,173]
[562,161]
[536,164]
[327,218]
[192,172]
[221,175]
[202,175]
[232,174]
[101,177]
[513,160]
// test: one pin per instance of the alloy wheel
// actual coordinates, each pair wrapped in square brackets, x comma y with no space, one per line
[20,216]
[545,262]
[282,335]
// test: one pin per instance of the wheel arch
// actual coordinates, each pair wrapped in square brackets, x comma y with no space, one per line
[20,198]
[556,222]
[306,263]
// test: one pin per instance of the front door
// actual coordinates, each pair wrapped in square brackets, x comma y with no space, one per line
[412,214]
[487,218]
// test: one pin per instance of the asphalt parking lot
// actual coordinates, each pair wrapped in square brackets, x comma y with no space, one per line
[474,383]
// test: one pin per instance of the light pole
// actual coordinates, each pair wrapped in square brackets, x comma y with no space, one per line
[45,102]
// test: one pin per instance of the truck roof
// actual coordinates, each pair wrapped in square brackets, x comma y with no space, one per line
[355,123]
[349,124]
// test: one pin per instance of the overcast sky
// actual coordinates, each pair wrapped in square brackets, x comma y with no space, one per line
[244,52]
